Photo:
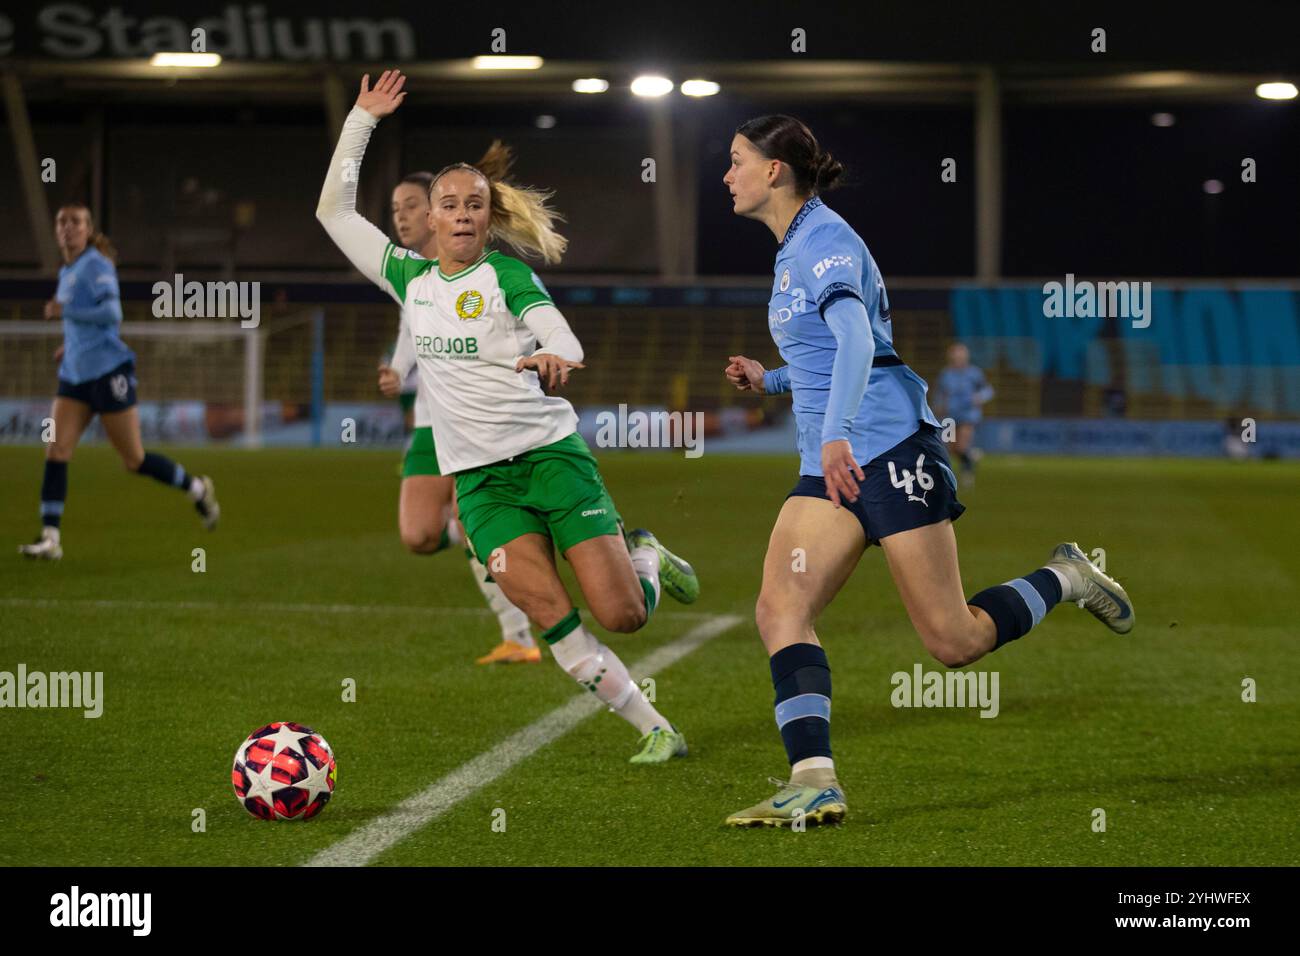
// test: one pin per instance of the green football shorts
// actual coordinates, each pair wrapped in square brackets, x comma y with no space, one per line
[555,490]
[421,456]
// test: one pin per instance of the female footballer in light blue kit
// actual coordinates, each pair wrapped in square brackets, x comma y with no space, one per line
[961,395]
[872,470]
[96,377]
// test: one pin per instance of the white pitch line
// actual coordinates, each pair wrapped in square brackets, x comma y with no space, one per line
[271,608]
[369,841]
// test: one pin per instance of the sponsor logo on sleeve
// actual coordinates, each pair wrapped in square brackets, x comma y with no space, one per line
[831,262]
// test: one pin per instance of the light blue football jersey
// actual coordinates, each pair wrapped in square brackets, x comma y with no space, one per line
[820,260]
[962,391]
[92,313]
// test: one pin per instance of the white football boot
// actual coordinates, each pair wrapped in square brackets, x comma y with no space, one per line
[44,548]
[1092,588]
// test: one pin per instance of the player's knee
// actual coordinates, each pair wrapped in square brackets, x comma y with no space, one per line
[543,609]
[950,647]
[765,613]
[418,542]
[772,613]
[952,655]
[622,617]
[421,538]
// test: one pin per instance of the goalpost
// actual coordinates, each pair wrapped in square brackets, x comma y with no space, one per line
[203,380]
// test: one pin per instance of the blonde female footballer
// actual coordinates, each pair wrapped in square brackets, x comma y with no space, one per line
[426,504]
[486,334]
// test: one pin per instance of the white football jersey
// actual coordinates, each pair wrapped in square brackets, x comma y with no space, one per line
[468,331]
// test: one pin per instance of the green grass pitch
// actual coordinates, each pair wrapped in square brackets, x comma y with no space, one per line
[307,584]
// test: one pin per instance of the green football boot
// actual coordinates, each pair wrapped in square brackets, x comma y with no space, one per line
[1092,588]
[676,576]
[660,746]
[795,801]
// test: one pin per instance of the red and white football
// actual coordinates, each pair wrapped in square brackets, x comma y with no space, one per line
[284,771]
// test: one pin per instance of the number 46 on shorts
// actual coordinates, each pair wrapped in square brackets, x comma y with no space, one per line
[925,481]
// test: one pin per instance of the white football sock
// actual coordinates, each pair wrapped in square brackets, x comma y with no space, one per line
[514,622]
[812,763]
[596,667]
[1066,588]
[196,488]
[645,561]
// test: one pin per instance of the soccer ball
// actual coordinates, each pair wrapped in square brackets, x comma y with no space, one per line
[284,771]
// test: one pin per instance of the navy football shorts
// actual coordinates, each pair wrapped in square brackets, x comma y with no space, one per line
[114,392]
[909,486]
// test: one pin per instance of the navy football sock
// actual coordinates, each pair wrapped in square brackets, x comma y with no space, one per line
[1019,605]
[161,468]
[802,678]
[54,491]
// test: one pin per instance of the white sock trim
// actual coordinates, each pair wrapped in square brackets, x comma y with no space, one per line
[812,763]
[1065,584]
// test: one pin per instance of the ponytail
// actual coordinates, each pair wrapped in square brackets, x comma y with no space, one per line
[97,239]
[105,246]
[793,143]
[521,216]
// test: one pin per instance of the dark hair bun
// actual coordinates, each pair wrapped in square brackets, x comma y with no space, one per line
[827,172]
[793,143]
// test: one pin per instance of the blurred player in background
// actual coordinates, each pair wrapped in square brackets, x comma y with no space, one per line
[961,393]
[96,377]
[872,470]
[426,505]
[486,335]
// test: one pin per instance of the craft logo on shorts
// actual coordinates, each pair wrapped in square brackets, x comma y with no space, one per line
[469,305]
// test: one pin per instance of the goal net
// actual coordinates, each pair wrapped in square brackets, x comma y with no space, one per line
[199,381]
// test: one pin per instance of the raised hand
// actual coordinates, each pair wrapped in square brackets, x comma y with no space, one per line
[387,95]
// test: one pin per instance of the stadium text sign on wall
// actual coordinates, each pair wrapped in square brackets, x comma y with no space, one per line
[240,32]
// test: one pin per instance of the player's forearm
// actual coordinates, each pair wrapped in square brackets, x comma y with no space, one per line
[855,349]
[554,337]
[776,381]
[404,353]
[108,312]
[358,239]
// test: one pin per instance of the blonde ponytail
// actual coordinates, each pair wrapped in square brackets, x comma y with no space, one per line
[105,246]
[520,214]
